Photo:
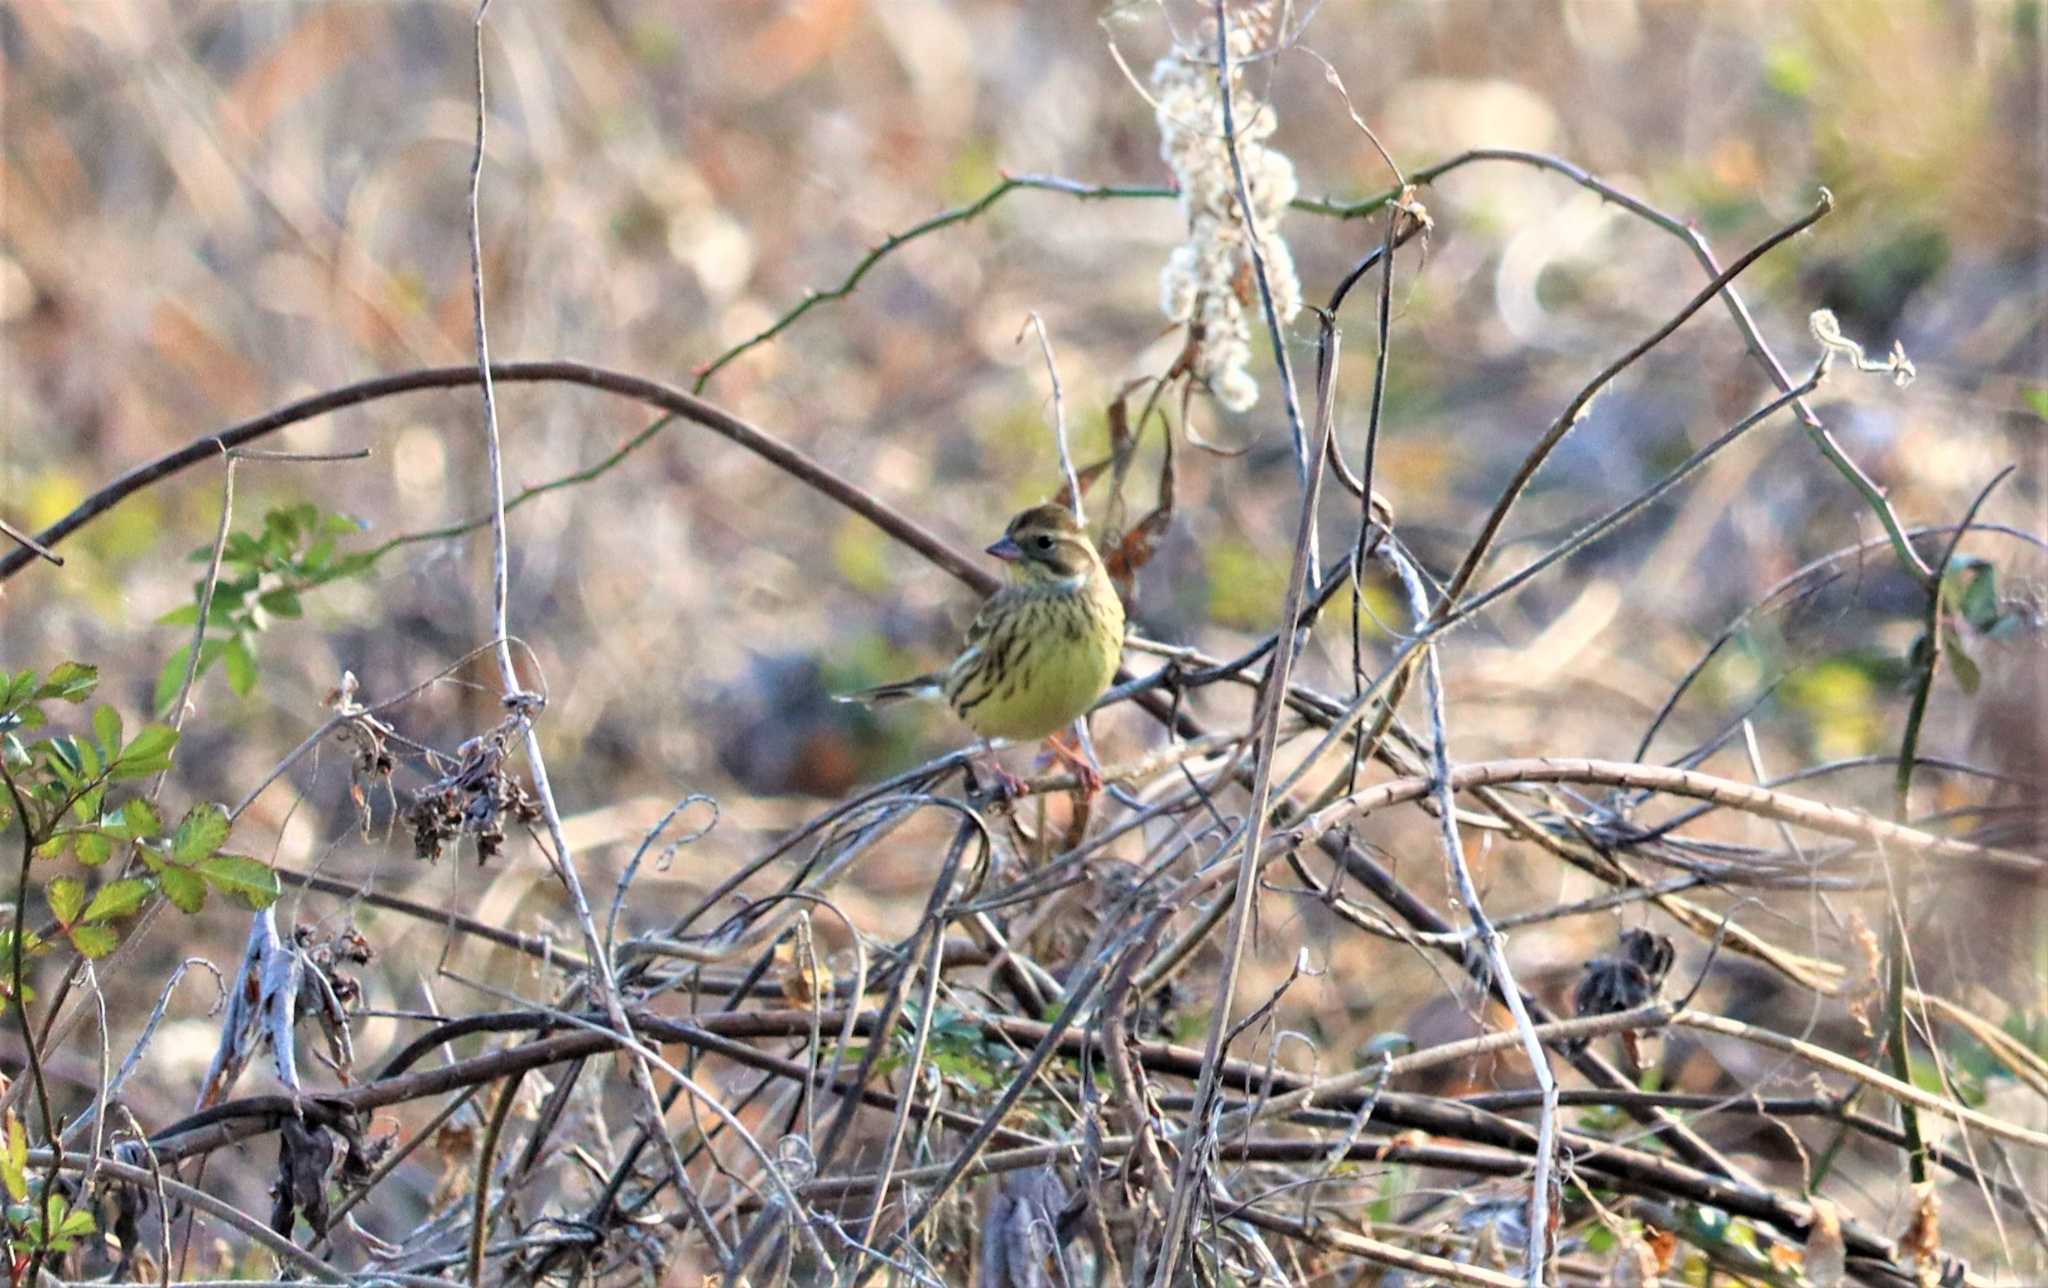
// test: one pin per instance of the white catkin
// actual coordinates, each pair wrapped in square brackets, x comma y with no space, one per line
[1201,283]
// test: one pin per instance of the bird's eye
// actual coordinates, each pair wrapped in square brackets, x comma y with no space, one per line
[1044,543]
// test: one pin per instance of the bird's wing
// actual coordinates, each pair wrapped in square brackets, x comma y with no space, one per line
[984,622]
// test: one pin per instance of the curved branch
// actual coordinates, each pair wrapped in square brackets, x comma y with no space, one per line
[667,398]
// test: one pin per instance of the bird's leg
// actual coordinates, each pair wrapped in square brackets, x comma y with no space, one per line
[1008,787]
[1082,763]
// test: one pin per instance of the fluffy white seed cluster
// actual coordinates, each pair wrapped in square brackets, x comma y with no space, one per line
[1209,280]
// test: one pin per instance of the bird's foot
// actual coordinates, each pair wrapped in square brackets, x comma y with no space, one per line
[1004,787]
[1088,776]
[1008,786]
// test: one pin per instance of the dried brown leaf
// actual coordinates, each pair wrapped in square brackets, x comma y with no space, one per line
[455,1146]
[1085,476]
[1864,985]
[806,979]
[1922,1239]
[1635,1265]
[1826,1257]
[1664,1244]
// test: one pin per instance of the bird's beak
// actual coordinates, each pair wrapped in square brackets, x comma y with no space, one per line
[1007,550]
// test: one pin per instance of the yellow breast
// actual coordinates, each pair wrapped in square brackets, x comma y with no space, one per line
[1044,661]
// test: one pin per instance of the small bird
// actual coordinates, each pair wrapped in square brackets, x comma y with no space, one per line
[1041,650]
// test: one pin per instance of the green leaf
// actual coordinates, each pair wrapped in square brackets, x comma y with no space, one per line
[2036,398]
[95,942]
[170,680]
[14,1165]
[106,726]
[65,761]
[138,818]
[188,615]
[283,524]
[282,603]
[242,548]
[43,1231]
[118,899]
[1979,605]
[17,689]
[200,832]
[184,888]
[241,666]
[150,753]
[67,899]
[77,1222]
[89,763]
[93,848]
[1959,660]
[249,882]
[86,809]
[71,681]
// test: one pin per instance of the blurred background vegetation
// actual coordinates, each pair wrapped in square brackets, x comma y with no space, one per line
[209,209]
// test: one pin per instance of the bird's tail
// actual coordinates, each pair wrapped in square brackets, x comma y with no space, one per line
[924,686]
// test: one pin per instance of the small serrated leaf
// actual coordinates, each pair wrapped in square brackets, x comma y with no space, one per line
[95,942]
[200,832]
[241,666]
[71,681]
[93,848]
[249,882]
[170,680]
[14,1165]
[150,753]
[118,899]
[64,760]
[17,689]
[67,898]
[184,888]
[139,819]
[106,726]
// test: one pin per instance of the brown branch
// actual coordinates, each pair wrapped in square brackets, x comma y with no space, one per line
[665,397]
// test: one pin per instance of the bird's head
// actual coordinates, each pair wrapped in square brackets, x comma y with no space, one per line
[1044,544]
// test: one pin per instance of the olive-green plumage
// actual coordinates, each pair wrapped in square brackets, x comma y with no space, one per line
[1043,648]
